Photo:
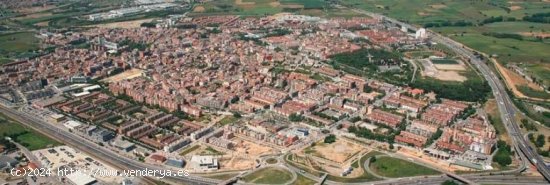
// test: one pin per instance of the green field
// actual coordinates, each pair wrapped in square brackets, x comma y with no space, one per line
[269,176]
[302,180]
[393,167]
[189,150]
[424,11]
[271,161]
[268,7]
[444,61]
[25,136]
[227,120]
[530,50]
[211,151]
[18,42]
[224,176]
[533,93]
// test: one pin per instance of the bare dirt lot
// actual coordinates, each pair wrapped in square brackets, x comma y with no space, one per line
[438,6]
[450,76]
[199,9]
[536,34]
[245,155]
[339,151]
[453,67]
[515,7]
[132,73]
[513,79]
[445,72]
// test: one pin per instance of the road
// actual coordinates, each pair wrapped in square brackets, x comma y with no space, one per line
[96,150]
[505,105]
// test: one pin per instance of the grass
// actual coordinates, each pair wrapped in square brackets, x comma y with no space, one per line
[421,54]
[423,11]
[532,92]
[269,7]
[365,177]
[5,61]
[222,176]
[227,120]
[393,167]
[271,161]
[269,176]
[211,151]
[529,52]
[189,150]
[25,136]
[420,12]
[302,180]
[444,61]
[18,42]
[492,110]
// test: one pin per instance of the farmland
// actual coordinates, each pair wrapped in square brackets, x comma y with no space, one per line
[269,7]
[492,27]
[426,11]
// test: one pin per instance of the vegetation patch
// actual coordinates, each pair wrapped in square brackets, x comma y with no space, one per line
[269,176]
[189,150]
[393,167]
[24,136]
[527,91]
[302,180]
[503,155]
[271,161]
[227,120]
[444,61]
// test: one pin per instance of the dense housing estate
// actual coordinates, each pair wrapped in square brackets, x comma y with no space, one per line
[272,71]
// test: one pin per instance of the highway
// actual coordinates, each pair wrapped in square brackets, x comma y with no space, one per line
[505,105]
[93,149]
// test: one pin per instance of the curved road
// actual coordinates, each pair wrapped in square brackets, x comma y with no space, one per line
[505,105]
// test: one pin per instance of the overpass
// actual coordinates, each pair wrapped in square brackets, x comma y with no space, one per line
[506,107]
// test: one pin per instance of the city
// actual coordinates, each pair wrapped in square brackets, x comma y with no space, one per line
[278,98]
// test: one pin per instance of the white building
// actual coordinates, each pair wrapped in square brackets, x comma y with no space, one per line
[79,178]
[204,163]
[421,34]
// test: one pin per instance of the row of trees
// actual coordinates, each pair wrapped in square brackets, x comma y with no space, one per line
[503,35]
[472,90]
[460,23]
[366,133]
[538,17]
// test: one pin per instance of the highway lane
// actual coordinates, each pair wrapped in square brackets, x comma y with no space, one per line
[506,107]
[96,150]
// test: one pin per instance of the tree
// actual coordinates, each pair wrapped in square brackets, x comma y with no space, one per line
[503,155]
[237,115]
[295,117]
[330,138]
[541,140]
